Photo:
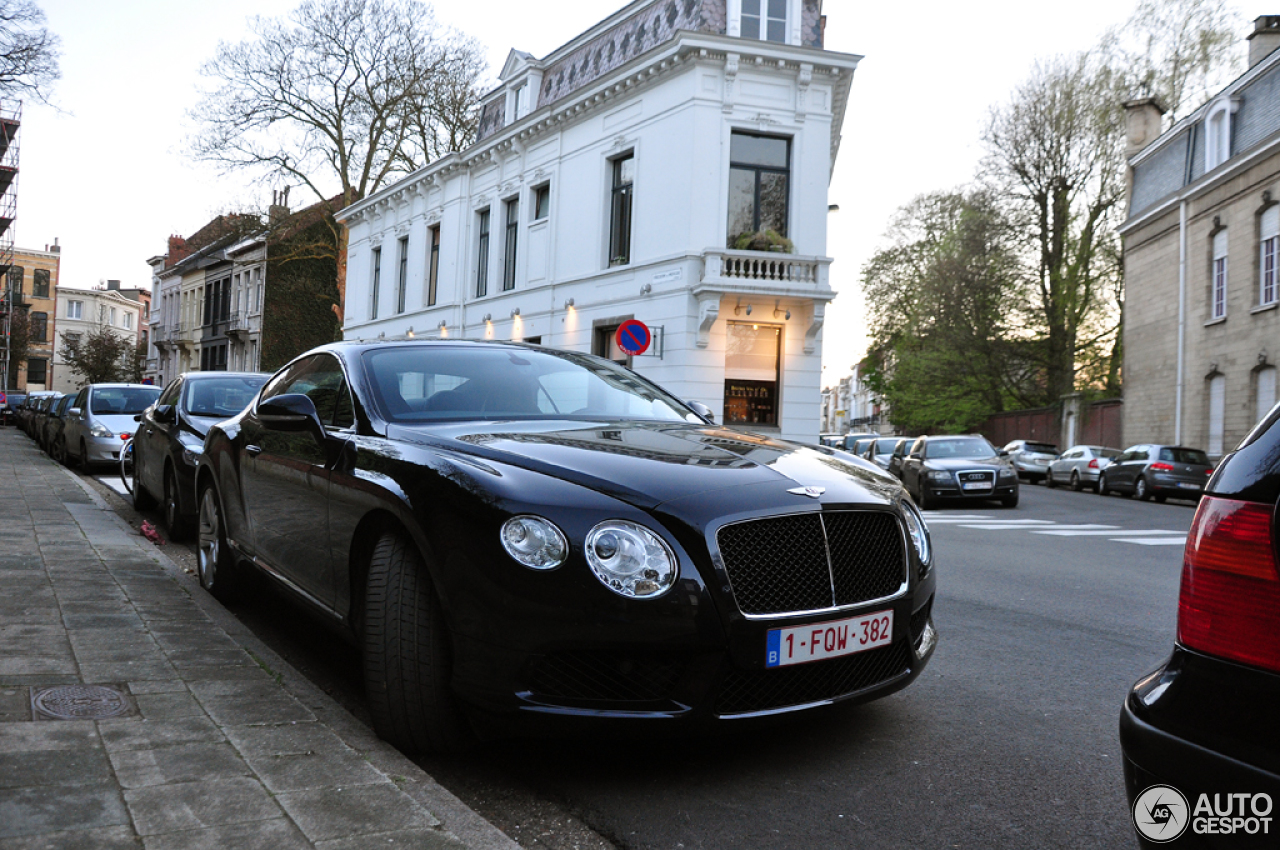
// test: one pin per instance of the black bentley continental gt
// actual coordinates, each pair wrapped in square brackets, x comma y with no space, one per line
[516,531]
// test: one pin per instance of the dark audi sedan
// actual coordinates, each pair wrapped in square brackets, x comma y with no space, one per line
[959,466]
[1199,734]
[511,531]
[170,437]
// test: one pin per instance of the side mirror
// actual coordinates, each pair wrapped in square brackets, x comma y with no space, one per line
[702,410]
[1002,453]
[75,411]
[164,414]
[291,412]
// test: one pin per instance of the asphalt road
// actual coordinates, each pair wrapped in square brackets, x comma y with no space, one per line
[1008,739]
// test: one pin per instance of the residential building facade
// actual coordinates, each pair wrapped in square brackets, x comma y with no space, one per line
[1202,261]
[668,165]
[33,278]
[83,311]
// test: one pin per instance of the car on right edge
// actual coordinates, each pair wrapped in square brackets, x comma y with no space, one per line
[1204,722]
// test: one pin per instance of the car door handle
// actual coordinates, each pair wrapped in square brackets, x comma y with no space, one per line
[253,450]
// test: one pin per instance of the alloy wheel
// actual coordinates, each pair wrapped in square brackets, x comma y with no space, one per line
[209,550]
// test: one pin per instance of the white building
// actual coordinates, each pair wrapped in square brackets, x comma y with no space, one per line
[610,181]
[84,311]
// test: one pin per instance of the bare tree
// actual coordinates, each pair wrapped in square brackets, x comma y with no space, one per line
[100,356]
[28,51]
[339,96]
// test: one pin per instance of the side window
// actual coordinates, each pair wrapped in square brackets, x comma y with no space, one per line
[321,379]
[171,392]
[82,400]
[1140,454]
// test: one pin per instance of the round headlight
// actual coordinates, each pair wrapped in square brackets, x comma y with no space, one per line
[630,559]
[534,542]
[917,531]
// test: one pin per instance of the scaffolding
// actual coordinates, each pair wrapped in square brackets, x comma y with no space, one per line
[11,299]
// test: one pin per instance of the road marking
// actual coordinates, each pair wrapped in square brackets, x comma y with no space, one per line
[1153,541]
[1027,524]
[1140,532]
[1056,529]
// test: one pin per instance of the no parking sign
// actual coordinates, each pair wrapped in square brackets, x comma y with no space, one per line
[633,336]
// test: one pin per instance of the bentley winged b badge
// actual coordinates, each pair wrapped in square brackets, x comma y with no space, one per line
[811,492]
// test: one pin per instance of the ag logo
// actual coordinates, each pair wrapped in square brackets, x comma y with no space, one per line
[1161,813]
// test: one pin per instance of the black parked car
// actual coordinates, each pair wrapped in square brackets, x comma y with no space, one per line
[39,414]
[170,436]
[1204,721]
[959,466]
[534,532]
[1157,471]
[55,421]
[9,410]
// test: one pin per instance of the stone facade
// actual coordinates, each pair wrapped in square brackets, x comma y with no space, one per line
[34,273]
[1208,390]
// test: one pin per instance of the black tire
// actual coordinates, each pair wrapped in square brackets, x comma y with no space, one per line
[1160,497]
[926,502]
[1009,501]
[1102,484]
[83,461]
[60,451]
[1142,490]
[408,662]
[142,498]
[1048,480]
[215,563]
[177,523]
[1075,481]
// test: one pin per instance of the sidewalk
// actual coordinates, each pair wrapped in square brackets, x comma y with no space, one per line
[182,730]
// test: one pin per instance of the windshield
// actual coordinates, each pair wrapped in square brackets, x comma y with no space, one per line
[1040,448]
[884,447]
[426,383]
[1184,456]
[112,401]
[221,397]
[958,447]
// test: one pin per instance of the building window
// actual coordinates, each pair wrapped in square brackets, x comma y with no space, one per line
[759,184]
[37,369]
[541,202]
[16,274]
[433,266]
[75,309]
[128,321]
[1266,377]
[1217,134]
[623,197]
[751,374]
[765,19]
[1269,286]
[482,256]
[402,275]
[39,327]
[509,254]
[1217,413]
[40,283]
[112,320]
[377,282]
[1218,296]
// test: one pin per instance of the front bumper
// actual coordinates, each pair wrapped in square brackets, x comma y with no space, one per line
[1204,726]
[951,490]
[103,449]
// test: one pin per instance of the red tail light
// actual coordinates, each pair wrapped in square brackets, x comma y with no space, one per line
[1230,600]
[1161,467]
[1093,464]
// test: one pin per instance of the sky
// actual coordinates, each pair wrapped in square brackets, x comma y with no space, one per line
[105,171]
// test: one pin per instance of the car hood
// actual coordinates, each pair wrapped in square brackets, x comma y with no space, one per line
[647,464]
[118,423]
[957,463]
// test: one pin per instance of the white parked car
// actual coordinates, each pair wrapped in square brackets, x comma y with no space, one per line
[1079,466]
[1031,459]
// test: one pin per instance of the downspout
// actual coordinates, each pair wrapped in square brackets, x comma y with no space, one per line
[1182,318]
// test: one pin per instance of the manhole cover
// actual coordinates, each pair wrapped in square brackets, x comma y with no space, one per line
[80,702]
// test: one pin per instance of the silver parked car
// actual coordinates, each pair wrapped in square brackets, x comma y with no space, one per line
[101,419]
[1079,466]
[1030,458]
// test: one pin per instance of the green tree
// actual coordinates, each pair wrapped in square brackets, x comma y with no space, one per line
[99,356]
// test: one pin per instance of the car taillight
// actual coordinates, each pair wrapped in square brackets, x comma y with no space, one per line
[1229,605]
[1161,467]
[1093,464]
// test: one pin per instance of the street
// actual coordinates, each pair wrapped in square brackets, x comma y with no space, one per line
[1047,613]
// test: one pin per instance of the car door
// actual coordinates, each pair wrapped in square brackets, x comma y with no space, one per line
[911,465]
[1126,473]
[285,478]
[73,431]
[151,440]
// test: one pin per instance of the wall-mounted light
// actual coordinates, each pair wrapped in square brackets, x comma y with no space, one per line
[646,289]
[739,308]
[444,326]
[779,313]
[409,333]
[515,312]
[568,302]
[488,317]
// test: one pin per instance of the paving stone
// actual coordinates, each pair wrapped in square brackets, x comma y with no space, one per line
[15,705]
[157,687]
[113,838]
[168,706]
[241,703]
[346,812]
[279,834]
[116,671]
[415,839]
[137,734]
[295,757]
[24,737]
[32,811]
[39,768]
[36,665]
[179,763]
[198,805]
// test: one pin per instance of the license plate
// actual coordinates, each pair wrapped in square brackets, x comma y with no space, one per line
[1186,486]
[828,640]
[976,485]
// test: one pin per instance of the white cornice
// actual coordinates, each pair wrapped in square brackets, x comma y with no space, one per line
[686,47]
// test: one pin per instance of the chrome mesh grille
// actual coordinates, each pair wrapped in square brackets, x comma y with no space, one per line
[812,562]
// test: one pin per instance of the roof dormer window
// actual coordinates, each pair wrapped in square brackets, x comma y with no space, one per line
[1217,133]
[764,19]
